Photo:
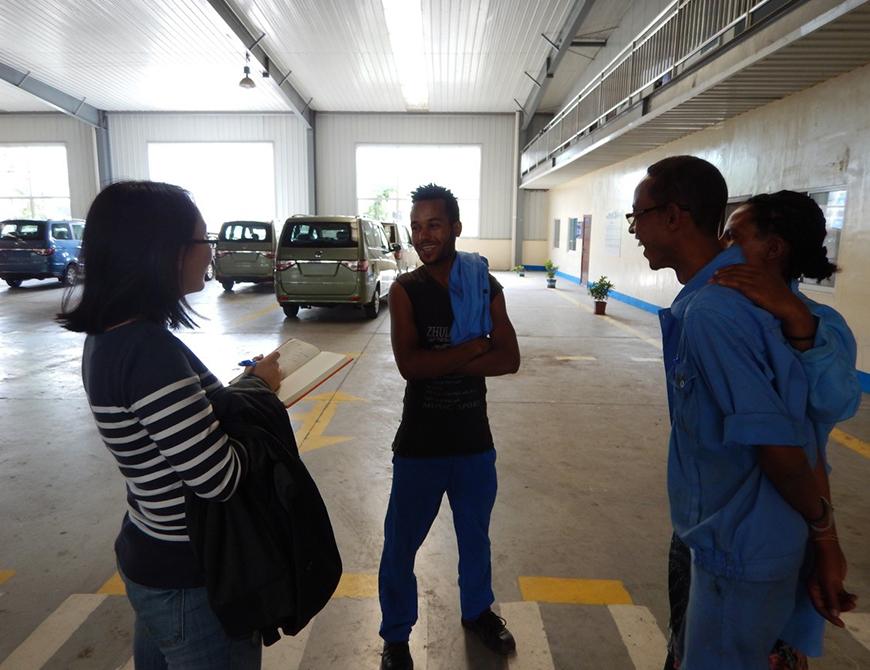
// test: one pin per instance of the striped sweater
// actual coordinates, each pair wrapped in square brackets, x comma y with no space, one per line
[150,396]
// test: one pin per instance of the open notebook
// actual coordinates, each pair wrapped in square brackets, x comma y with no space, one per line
[304,367]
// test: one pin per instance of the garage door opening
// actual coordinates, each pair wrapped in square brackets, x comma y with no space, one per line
[387,173]
[230,181]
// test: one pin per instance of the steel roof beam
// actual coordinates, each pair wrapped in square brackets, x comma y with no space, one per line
[560,47]
[252,43]
[64,102]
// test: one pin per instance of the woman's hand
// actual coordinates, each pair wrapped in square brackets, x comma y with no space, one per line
[825,584]
[772,294]
[268,370]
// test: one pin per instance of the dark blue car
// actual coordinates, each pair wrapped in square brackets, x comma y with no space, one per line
[40,249]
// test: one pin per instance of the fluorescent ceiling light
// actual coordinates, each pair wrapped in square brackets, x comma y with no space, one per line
[405,26]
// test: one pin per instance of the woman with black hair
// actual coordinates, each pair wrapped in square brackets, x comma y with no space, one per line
[782,237]
[145,249]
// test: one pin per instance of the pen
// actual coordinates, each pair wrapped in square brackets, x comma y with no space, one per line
[247,363]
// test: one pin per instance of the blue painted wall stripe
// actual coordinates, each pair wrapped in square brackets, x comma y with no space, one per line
[863,377]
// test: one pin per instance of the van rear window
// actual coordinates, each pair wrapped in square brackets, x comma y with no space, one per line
[320,234]
[246,231]
[22,230]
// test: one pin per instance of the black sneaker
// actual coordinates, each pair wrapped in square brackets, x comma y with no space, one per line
[493,632]
[396,656]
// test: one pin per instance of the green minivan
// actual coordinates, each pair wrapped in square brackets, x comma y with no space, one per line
[324,261]
[244,252]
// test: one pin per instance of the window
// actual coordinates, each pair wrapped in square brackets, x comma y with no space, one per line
[247,232]
[78,230]
[230,181]
[556,232]
[833,204]
[321,234]
[61,231]
[387,173]
[573,233]
[34,182]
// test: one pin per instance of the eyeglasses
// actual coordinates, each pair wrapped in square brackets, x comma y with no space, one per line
[632,217]
[199,242]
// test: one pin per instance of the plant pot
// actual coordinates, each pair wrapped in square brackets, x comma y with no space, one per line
[521,274]
[551,282]
[600,306]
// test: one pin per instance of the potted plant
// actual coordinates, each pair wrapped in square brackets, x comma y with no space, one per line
[551,269]
[599,291]
[520,270]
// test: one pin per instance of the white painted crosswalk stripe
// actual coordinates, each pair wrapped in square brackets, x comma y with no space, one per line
[44,642]
[641,635]
[858,623]
[533,648]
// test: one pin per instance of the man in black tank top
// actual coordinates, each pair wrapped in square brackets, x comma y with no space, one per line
[443,444]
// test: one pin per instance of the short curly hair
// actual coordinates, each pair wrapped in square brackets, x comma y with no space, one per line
[434,192]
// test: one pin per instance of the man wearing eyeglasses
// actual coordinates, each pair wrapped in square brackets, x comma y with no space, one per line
[741,489]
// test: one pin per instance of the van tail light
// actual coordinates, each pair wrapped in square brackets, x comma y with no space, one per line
[284,265]
[356,266]
[43,252]
[269,254]
[221,254]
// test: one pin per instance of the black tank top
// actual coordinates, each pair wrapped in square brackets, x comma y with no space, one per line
[444,416]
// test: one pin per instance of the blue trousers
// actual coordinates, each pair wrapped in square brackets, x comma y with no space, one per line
[418,486]
[734,624]
[176,629]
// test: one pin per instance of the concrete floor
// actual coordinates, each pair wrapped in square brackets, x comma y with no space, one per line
[581,433]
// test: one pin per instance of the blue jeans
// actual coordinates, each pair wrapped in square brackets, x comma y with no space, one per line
[418,487]
[176,629]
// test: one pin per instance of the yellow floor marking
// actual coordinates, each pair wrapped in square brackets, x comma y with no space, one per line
[613,322]
[577,591]
[852,442]
[357,585]
[258,314]
[6,575]
[114,586]
[316,420]
[576,358]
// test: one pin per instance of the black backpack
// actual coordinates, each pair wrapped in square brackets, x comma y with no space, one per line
[268,553]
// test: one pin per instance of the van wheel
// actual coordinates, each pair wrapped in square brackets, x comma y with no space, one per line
[290,311]
[70,275]
[372,308]
[227,284]
[14,283]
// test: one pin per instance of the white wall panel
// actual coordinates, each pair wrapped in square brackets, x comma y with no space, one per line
[80,149]
[338,135]
[536,213]
[130,134]
[818,138]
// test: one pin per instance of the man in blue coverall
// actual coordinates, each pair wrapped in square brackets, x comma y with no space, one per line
[742,492]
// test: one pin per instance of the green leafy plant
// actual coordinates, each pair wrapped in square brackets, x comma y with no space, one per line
[519,268]
[550,268]
[377,210]
[600,289]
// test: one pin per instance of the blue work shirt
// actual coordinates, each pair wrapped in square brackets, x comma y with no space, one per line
[733,383]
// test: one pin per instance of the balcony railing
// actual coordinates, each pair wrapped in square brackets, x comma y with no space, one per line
[686,32]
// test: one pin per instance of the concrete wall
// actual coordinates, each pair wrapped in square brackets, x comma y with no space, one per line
[819,138]
[129,135]
[80,149]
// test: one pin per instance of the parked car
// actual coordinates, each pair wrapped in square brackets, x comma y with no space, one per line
[324,261]
[244,252]
[406,256]
[40,249]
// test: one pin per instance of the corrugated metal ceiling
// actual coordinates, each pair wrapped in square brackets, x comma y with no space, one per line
[179,55]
